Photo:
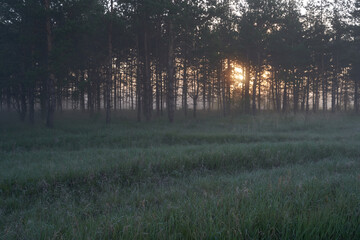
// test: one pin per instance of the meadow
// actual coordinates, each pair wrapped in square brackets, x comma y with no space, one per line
[241,177]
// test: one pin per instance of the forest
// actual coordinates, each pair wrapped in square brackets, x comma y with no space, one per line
[179,119]
[161,56]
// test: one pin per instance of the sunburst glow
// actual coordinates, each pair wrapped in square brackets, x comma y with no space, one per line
[238,76]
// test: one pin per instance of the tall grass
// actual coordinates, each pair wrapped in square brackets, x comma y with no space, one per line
[242,177]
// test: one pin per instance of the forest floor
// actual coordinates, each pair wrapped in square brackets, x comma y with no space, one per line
[243,177]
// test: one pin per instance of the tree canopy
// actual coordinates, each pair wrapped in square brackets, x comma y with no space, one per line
[157,55]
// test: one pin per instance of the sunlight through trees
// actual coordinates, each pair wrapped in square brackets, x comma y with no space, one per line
[154,56]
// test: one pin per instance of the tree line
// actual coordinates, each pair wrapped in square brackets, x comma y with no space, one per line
[158,56]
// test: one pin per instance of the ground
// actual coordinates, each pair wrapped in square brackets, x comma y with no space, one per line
[241,177]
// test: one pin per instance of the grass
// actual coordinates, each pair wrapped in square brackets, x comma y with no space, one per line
[241,177]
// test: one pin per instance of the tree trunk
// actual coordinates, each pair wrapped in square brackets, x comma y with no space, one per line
[285,96]
[204,77]
[1,100]
[109,78]
[170,74]
[356,95]
[224,95]
[51,78]
[254,92]
[259,93]
[307,93]
[185,87]
[209,95]
[296,92]
[277,92]
[121,103]
[115,88]
[131,85]
[303,95]
[196,92]
[98,93]
[8,99]
[90,90]
[161,93]
[346,95]
[317,94]
[147,91]
[81,78]
[334,87]
[138,83]
[31,106]
[272,82]
[59,99]
[23,105]
[219,85]
[247,87]
[157,90]
[324,93]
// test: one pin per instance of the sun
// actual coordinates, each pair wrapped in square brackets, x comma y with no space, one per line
[266,74]
[238,76]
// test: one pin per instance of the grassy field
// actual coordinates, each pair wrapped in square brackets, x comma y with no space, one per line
[244,177]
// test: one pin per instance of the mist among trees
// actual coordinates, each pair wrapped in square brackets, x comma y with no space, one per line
[156,57]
